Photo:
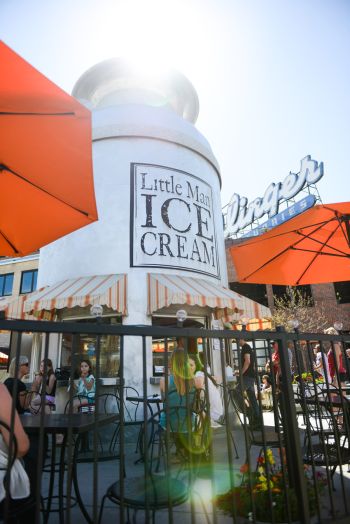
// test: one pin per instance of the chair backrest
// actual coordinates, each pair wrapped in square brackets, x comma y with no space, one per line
[189,445]
[188,421]
[34,402]
[133,409]
[107,403]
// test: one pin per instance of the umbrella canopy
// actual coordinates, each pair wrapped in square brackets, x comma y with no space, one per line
[311,248]
[46,181]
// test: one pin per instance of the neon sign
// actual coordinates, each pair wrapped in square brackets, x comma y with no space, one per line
[240,214]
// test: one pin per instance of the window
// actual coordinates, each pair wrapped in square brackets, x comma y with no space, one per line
[256,292]
[86,346]
[342,292]
[6,283]
[285,292]
[159,345]
[28,281]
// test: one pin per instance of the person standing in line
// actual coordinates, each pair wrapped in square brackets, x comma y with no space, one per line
[248,382]
[321,364]
[276,361]
[335,350]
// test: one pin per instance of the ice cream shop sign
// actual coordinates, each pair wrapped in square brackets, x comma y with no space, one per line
[172,220]
[240,213]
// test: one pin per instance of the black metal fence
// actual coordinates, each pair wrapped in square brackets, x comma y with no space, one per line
[277,454]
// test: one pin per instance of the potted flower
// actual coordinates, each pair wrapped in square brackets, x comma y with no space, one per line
[263,492]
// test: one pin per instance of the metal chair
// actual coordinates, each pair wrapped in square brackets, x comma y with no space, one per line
[110,403]
[154,491]
[133,411]
[326,443]
[266,437]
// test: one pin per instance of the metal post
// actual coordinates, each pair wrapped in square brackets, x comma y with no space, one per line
[291,434]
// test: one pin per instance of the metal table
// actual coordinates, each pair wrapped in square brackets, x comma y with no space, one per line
[66,424]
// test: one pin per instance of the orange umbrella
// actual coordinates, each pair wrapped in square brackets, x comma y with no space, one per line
[311,248]
[46,181]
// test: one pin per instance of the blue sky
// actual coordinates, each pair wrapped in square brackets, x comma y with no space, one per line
[272,76]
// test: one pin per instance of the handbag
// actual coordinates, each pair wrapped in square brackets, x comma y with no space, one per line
[19,486]
[62,374]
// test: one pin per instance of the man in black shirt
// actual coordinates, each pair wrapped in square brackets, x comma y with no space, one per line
[248,381]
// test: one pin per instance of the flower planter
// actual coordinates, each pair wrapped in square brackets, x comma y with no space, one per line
[226,519]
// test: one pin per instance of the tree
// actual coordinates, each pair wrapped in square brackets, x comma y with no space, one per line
[313,317]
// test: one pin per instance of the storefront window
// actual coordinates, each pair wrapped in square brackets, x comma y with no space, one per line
[160,346]
[86,348]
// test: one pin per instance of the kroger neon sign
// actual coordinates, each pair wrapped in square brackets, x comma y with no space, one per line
[240,214]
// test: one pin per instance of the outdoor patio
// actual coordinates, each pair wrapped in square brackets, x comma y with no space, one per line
[108,471]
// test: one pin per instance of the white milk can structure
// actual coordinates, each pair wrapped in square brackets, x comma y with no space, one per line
[157,186]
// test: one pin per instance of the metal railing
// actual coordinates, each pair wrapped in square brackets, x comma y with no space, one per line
[285,464]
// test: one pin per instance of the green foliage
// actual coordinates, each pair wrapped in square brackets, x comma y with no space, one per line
[266,491]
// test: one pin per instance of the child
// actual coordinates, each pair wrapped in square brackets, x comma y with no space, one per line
[86,386]
[266,392]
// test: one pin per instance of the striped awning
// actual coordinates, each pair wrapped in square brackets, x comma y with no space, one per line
[165,290]
[257,315]
[106,290]
[254,324]
[14,308]
[254,310]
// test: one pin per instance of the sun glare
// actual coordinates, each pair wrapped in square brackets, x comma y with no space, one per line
[154,35]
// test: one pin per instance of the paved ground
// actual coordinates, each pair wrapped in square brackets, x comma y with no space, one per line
[206,484]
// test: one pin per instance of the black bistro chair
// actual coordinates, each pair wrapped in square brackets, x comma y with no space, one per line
[154,490]
[266,437]
[326,439]
[133,411]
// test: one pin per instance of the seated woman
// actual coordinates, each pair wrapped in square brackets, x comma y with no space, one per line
[21,490]
[180,398]
[50,390]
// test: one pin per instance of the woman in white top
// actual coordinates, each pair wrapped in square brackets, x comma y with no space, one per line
[216,407]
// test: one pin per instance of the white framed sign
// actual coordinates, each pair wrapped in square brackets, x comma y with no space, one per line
[172,221]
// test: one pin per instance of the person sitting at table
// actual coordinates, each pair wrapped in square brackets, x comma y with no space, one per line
[86,387]
[51,382]
[181,395]
[22,405]
[22,398]
[20,491]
